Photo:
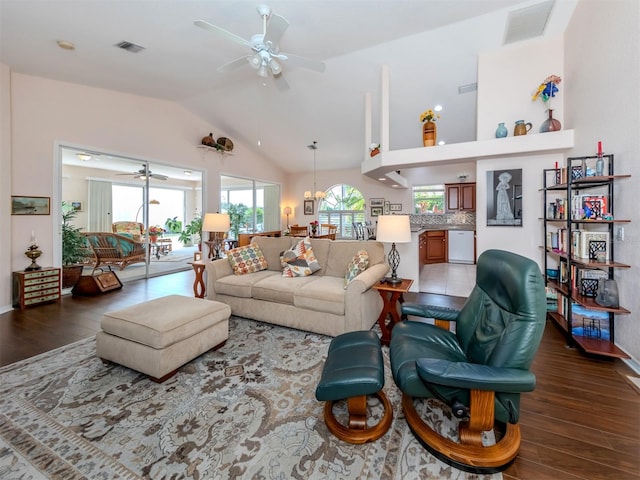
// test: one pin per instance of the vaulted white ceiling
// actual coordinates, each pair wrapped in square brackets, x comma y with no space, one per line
[430,47]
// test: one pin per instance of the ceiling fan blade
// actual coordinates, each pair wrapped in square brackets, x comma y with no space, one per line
[298,61]
[222,32]
[276,28]
[280,82]
[157,176]
[233,64]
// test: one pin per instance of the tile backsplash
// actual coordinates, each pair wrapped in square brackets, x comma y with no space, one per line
[458,218]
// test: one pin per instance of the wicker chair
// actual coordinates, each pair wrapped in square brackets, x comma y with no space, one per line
[112,249]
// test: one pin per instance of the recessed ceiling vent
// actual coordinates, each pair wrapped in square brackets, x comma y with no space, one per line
[129,47]
[527,22]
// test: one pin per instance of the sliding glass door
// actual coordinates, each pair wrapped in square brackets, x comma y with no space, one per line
[149,202]
[253,205]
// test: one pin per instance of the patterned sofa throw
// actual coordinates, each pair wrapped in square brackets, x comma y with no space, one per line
[247,259]
[299,260]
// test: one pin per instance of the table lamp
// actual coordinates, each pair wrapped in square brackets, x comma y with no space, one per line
[287,212]
[393,229]
[217,224]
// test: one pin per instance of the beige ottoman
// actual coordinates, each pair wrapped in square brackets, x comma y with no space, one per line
[159,336]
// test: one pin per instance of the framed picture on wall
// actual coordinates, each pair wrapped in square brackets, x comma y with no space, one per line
[308,207]
[77,206]
[395,207]
[30,205]
[504,198]
[387,207]
[376,211]
[376,202]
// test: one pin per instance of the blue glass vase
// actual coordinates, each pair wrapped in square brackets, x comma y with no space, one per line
[501,131]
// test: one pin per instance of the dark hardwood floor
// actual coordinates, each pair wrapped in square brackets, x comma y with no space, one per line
[581,422]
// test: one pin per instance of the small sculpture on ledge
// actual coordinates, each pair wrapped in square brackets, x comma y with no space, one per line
[209,141]
[374,149]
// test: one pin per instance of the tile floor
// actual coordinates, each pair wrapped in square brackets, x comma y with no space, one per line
[448,279]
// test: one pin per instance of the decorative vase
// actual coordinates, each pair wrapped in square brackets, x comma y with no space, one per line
[313,230]
[153,238]
[501,131]
[550,124]
[429,134]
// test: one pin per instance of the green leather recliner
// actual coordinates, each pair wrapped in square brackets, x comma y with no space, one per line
[481,369]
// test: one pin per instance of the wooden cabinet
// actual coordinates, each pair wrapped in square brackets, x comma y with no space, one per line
[435,246]
[422,249]
[460,197]
[35,287]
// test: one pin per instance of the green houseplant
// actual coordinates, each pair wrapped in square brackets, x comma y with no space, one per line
[192,231]
[74,247]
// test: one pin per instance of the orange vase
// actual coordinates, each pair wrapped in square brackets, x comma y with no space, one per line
[429,134]
[153,238]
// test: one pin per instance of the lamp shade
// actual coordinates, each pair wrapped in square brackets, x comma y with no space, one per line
[393,229]
[287,210]
[216,222]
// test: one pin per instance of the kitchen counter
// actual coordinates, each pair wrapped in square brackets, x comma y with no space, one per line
[443,226]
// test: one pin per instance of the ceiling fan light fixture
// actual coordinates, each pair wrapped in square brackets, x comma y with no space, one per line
[262,71]
[255,60]
[275,67]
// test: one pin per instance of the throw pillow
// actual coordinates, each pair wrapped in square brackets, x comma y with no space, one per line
[299,260]
[358,264]
[248,259]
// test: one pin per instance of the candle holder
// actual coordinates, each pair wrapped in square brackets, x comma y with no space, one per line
[33,253]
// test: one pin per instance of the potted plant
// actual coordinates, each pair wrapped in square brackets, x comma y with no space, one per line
[74,247]
[192,231]
[173,225]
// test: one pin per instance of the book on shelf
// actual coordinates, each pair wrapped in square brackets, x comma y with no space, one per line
[585,249]
[594,206]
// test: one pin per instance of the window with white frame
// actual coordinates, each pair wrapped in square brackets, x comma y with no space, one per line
[342,206]
[428,199]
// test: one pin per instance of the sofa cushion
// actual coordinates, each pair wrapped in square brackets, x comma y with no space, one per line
[321,251]
[326,294]
[299,260]
[271,248]
[247,259]
[357,265]
[241,285]
[278,289]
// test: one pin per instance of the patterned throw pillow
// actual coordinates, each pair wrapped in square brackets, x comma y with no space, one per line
[299,260]
[248,259]
[358,264]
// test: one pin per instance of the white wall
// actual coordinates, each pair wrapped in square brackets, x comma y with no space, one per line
[602,51]
[45,112]
[5,187]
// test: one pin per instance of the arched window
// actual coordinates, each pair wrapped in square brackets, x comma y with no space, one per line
[343,206]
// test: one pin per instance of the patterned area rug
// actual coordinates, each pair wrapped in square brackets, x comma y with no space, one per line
[246,411]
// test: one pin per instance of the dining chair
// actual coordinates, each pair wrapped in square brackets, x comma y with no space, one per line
[298,231]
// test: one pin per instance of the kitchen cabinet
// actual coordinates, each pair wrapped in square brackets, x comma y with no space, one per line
[460,197]
[435,246]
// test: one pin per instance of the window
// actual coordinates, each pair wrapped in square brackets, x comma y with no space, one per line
[253,206]
[343,206]
[428,199]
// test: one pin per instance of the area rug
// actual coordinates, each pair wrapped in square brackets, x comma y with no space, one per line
[245,411]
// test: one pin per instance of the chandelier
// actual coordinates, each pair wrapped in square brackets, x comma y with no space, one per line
[319,194]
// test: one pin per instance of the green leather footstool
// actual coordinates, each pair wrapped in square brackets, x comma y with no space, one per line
[354,369]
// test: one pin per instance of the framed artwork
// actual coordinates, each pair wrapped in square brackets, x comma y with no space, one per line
[376,202]
[308,207]
[395,207]
[504,198]
[30,205]
[387,207]
[77,206]
[376,211]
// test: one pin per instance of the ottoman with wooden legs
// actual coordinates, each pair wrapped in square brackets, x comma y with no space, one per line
[159,336]
[353,370]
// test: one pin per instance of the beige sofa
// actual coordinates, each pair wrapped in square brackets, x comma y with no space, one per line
[318,303]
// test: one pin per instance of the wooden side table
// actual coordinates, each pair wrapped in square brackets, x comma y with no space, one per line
[199,287]
[391,295]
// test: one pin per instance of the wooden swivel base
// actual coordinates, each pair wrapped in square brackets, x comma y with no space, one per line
[357,431]
[469,455]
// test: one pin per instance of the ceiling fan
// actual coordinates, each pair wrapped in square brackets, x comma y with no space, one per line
[265,56]
[144,172]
